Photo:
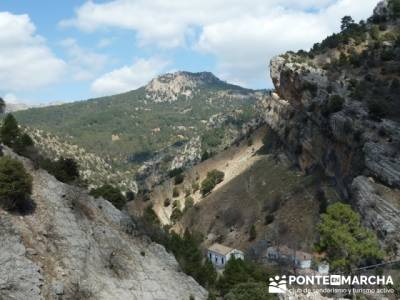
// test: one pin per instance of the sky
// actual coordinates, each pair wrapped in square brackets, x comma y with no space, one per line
[53,51]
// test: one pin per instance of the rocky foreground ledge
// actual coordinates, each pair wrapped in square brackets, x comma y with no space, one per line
[77,247]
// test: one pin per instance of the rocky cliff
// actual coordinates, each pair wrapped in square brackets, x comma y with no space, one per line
[327,120]
[77,247]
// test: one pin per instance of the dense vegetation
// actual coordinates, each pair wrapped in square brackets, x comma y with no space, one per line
[111,194]
[347,243]
[64,169]
[213,178]
[15,185]
[129,128]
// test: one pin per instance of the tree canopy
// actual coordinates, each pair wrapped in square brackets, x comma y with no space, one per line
[347,243]
[15,184]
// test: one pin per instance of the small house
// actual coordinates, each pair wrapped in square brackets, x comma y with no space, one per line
[301,260]
[219,254]
[323,268]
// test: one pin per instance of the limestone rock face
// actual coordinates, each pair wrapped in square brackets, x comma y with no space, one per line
[77,247]
[379,208]
[168,87]
[346,144]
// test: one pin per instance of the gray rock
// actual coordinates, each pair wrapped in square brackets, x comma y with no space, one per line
[86,248]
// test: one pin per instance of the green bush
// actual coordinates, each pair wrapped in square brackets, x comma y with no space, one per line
[195,186]
[167,202]
[130,196]
[64,169]
[249,291]
[239,271]
[175,192]
[111,194]
[15,185]
[9,132]
[150,216]
[23,144]
[253,233]
[335,104]
[189,203]
[213,178]
[347,243]
[395,8]
[176,215]
[178,179]
[269,219]
[377,109]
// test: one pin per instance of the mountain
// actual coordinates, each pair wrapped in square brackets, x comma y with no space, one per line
[143,132]
[75,247]
[332,134]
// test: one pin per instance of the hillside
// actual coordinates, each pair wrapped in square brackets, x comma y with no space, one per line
[75,247]
[327,141]
[336,109]
[150,126]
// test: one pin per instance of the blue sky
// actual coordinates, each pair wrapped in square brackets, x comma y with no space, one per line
[71,50]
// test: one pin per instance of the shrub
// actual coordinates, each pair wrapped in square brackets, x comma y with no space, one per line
[189,203]
[9,132]
[374,32]
[213,178]
[23,144]
[130,196]
[178,179]
[176,215]
[64,169]
[347,243]
[175,172]
[150,216]
[205,155]
[249,291]
[195,186]
[269,219]
[175,192]
[15,185]
[377,109]
[335,104]
[167,202]
[111,194]
[176,204]
[253,233]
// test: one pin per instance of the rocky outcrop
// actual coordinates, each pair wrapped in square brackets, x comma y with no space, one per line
[379,207]
[77,247]
[171,86]
[345,143]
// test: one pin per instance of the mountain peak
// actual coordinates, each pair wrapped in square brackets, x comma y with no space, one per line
[168,87]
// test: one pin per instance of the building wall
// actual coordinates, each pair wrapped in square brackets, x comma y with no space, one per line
[217,259]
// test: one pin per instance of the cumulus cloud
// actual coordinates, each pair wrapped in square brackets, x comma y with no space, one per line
[84,64]
[26,62]
[129,77]
[242,35]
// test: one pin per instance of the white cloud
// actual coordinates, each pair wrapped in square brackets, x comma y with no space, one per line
[104,42]
[243,46]
[26,62]
[242,35]
[129,77]
[84,64]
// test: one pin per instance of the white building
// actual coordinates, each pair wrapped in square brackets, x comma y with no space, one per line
[301,260]
[323,268]
[219,254]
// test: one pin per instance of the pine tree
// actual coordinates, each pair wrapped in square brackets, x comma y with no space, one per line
[9,132]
